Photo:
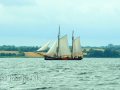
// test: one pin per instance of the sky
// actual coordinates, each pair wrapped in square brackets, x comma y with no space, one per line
[34,22]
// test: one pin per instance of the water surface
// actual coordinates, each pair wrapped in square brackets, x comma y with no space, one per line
[38,74]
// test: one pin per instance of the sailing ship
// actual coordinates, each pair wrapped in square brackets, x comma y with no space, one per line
[60,49]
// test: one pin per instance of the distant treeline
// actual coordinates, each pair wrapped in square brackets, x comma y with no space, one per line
[97,52]
[12,54]
[19,48]
[105,51]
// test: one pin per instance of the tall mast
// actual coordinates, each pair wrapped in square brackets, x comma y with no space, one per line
[72,43]
[58,41]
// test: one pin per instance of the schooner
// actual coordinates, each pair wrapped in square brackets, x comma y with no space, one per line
[60,49]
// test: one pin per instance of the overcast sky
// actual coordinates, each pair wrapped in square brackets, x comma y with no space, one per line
[34,22]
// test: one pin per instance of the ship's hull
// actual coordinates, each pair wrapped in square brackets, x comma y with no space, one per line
[58,58]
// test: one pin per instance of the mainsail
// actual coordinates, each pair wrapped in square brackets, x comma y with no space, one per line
[77,51]
[44,47]
[64,50]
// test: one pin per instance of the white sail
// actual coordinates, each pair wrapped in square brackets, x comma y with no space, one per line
[64,50]
[77,50]
[53,50]
[44,47]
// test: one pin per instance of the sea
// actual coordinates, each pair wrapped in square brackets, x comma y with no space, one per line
[39,74]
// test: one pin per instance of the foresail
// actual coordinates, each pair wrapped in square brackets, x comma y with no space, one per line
[53,50]
[77,50]
[64,50]
[44,47]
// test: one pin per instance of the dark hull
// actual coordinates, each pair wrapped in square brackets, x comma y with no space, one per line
[56,58]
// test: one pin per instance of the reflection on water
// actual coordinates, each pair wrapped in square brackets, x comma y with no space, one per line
[38,74]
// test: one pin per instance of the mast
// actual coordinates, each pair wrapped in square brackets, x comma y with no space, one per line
[72,43]
[58,41]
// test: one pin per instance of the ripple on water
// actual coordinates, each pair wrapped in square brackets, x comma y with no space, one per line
[42,88]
